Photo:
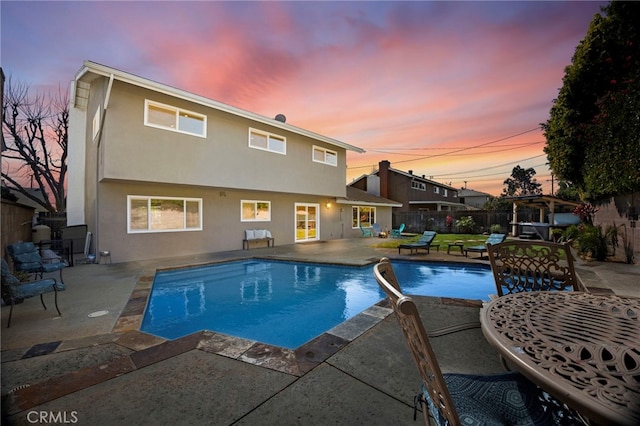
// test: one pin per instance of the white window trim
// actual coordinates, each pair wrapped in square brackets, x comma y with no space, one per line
[255,202]
[420,186]
[325,151]
[375,214]
[154,231]
[268,135]
[177,111]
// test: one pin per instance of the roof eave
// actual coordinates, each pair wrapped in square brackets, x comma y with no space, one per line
[103,70]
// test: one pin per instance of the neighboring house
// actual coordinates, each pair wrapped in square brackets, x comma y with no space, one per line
[475,199]
[412,191]
[156,171]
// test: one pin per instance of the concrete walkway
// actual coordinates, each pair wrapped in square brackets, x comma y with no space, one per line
[93,367]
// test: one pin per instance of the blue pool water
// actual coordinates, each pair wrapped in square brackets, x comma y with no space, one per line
[289,303]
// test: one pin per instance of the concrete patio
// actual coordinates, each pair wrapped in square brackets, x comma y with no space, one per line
[90,369]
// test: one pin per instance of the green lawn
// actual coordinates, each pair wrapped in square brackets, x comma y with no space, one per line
[443,239]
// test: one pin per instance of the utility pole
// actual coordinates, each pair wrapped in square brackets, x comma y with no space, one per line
[552,181]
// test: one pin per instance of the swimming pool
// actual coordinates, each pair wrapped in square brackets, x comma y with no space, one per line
[289,303]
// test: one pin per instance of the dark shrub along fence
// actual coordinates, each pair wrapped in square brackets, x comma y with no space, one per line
[484,220]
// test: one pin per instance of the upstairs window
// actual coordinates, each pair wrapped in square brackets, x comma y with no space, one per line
[267,141]
[174,119]
[325,156]
[445,192]
[420,186]
[163,214]
[436,189]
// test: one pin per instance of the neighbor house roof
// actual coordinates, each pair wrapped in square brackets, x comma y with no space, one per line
[408,175]
[80,97]
[358,196]
[472,193]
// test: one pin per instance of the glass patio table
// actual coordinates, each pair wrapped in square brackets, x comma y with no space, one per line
[582,348]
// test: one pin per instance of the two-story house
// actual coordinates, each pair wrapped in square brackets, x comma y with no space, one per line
[155,171]
[412,191]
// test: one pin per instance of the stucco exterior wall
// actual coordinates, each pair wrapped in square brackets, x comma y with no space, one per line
[137,152]
[222,230]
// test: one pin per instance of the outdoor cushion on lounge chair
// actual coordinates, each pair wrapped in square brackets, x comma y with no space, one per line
[493,239]
[26,258]
[13,291]
[455,399]
[532,266]
[376,230]
[425,242]
[366,232]
[397,233]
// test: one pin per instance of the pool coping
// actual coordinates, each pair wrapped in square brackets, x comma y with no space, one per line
[296,361]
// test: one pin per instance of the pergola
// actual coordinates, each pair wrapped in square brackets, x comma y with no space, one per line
[542,203]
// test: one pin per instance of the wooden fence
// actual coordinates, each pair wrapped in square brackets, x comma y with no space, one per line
[421,221]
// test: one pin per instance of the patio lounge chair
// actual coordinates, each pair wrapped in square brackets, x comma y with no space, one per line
[26,258]
[520,265]
[493,239]
[425,242]
[366,232]
[455,399]
[376,230]
[397,233]
[13,291]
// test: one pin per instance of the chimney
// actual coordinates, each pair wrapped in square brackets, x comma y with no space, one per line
[383,173]
[410,172]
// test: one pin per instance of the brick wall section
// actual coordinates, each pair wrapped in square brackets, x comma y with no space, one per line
[616,212]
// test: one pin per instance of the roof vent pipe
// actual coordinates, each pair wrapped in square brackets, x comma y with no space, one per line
[281,117]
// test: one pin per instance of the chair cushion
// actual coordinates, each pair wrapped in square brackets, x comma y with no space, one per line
[249,234]
[35,288]
[260,233]
[25,257]
[496,399]
[54,266]
[21,248]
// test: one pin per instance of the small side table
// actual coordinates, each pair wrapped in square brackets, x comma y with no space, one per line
[106,256]
[458,244]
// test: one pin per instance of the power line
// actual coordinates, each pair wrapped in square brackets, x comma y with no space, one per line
[455,150]
[493,167]
[509,148]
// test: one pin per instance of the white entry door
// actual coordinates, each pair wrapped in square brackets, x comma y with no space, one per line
[307,222]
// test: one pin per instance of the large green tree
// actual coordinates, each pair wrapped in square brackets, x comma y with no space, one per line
[521,182]
[593,132]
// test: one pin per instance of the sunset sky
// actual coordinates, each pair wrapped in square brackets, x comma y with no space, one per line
[455,91]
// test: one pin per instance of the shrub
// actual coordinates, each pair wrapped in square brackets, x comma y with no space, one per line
[465,224]
[588,240]
[495,229]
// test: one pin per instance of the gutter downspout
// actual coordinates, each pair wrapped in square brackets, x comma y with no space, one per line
[105,105]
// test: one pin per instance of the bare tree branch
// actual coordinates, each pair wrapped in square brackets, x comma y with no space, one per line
[35,130]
